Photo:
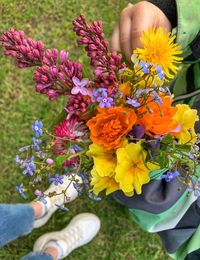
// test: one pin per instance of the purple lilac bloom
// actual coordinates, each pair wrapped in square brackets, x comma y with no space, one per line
[26,51]
[21,191]
[57,179]
[29,167]
[107,64]
[170,175]
[79,86]
[54,77]
[145,67]
[160,72]
[36,143]
[132,102]
[37,128]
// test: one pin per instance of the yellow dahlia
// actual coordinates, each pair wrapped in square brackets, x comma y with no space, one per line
[159,49]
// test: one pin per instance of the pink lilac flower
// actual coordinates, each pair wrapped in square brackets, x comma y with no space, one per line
[107,64]
[26,51]
[54,78]
[77,104]
[79,86]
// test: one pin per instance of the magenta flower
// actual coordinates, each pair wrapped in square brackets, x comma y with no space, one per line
[80,86]
[26,51]
[77,104]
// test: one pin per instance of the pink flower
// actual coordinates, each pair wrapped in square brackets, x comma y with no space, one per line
[69,129]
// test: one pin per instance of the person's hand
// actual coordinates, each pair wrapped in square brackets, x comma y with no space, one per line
[133,20]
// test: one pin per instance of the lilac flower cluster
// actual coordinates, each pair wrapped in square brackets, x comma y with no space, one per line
[54,78]
[107,64]
[26,51]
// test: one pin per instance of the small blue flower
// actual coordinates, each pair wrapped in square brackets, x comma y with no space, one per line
[18,160]
[36,143]
[77,187]
[29,167]
[22,149]
[37,128]
[104,101]
[145,67]
[76,148]
[57,179]
[195,187]
[21,191]
[170,176]
[93,197]
[62,208]
[133,102]
[157,98]
[99,92]
[160,72]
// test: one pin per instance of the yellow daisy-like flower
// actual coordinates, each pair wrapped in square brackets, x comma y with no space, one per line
[159,49]
[186,118]
[131,172]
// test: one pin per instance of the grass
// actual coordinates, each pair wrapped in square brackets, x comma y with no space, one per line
[50,21]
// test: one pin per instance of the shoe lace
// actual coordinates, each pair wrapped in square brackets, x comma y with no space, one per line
[72,236]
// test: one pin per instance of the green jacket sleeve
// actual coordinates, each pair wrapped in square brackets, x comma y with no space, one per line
[188,23]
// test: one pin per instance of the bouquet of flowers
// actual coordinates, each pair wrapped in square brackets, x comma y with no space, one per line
[119,128]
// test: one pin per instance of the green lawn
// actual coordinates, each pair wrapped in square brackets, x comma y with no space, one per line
[50,21]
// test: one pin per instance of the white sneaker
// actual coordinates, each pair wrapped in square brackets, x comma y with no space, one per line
[58,199]
[80,231]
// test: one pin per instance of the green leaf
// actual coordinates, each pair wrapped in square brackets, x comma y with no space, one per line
[61,159]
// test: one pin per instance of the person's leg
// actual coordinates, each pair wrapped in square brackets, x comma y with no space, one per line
[17,220]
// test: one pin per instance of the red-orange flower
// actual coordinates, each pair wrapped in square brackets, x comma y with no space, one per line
[109,126]
[158,119]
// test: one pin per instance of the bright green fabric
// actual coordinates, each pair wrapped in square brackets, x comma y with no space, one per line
[148,221]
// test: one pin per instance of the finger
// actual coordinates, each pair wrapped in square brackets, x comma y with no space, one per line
[125,31]
[115,42]
[141,20]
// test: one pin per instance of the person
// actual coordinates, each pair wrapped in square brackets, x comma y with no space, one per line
[20,219]
[163,207]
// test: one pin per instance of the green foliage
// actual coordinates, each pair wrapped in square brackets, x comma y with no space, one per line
[50,21]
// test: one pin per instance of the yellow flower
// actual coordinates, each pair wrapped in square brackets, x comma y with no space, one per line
[100,183]
[104,160]
[103,170]
[159,49]
[186,118]
[131,172]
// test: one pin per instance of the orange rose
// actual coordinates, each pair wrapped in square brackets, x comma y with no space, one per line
[160,120]
[110,126]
